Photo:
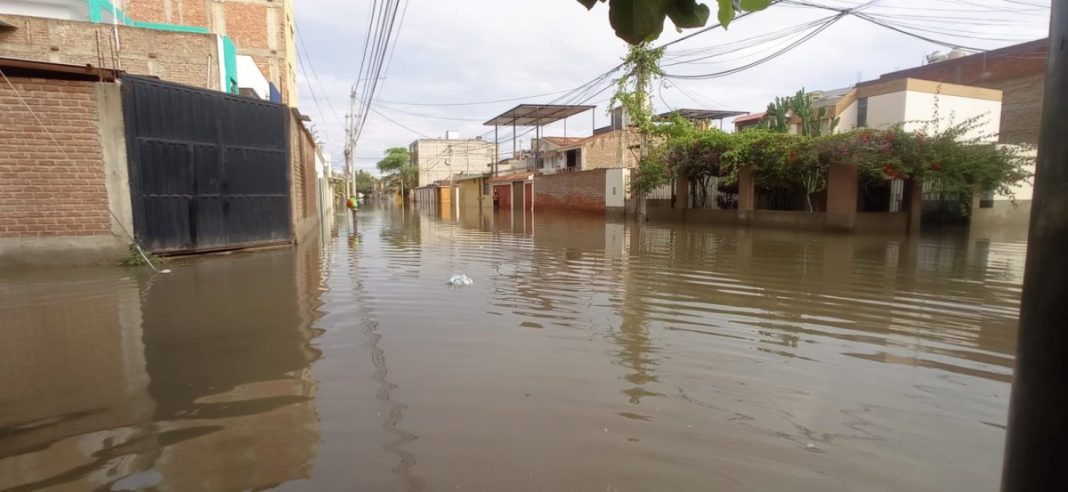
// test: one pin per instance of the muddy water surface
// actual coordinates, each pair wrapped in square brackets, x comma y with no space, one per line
[586,356]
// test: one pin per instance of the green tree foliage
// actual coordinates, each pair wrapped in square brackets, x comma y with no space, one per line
[365,183]
[641,68]
[640,21]
[399,173]
[960,159]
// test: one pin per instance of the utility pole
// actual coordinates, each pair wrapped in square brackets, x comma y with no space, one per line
[349,178]
[1037,439]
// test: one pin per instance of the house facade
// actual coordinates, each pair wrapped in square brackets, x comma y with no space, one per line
[440,158]
[235,47]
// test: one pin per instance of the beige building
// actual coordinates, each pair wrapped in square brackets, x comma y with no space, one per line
[440,158]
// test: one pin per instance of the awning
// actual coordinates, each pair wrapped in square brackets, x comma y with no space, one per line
[536,114]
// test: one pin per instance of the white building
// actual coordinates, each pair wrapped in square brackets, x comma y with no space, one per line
[918,105]
[439,158]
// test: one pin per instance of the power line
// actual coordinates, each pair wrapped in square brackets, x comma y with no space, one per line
[311,66]
[474,103]
[827,22]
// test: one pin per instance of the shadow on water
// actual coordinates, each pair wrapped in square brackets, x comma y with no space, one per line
[197,380]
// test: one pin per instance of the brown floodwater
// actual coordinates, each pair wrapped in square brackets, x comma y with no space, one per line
[587,355]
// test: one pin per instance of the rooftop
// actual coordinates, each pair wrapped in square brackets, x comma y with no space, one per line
[700,114]
[750,117]
[536,114]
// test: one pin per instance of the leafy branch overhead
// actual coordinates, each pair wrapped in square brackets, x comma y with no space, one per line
[638,21]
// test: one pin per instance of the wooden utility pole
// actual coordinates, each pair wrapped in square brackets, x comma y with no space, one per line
[1036,447]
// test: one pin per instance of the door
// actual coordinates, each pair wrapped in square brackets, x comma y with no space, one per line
[208,170]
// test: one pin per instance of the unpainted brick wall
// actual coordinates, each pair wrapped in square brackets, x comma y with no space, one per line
[583,190]
[173,56]
[1021,108]
[603,150]
[303,184]
[47,190]
[246,22]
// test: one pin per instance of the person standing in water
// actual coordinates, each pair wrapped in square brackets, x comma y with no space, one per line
[353,203]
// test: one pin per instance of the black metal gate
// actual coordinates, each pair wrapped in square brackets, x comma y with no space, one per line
[208,170]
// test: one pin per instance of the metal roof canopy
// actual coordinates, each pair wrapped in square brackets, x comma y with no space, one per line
[700,114]
[536,114]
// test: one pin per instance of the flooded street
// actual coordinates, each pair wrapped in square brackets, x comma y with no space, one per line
[587,355]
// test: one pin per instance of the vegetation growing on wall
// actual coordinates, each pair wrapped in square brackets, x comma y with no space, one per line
[958,159]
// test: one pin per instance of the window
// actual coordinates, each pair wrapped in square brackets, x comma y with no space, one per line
[986,200]
[862,112]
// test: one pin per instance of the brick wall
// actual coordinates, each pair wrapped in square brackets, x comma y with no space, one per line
[246,24]
[1021,108]
[1018,71]
[582,190]
[47,191]
[262,29]
[602,151]
[172,56]
[303,179]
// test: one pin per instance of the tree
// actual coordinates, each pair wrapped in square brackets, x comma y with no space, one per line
[800,106]
[365,183]
[398,170]
[641,67]
[639,21]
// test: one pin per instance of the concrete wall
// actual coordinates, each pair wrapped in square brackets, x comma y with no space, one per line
[56,9]
[582,190]
[952,110]
[616,186]
[186,58]
[438,159]
[55,195]
[262,29]
[471,194]
[249,76]
[815,221]
[847,119]
[886,110]
[1005,214]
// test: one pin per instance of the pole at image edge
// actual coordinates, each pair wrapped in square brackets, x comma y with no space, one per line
[1037,438]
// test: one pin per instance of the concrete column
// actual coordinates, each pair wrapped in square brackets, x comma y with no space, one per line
[913,204]
[746,193]
[113,151]
[842,180]
[682,192]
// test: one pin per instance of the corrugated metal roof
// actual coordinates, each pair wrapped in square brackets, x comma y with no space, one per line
[536,114]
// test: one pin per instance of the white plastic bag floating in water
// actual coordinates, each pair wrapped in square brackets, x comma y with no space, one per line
[460,280]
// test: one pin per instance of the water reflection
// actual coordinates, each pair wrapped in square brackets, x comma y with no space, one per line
[588,354]
[196,380]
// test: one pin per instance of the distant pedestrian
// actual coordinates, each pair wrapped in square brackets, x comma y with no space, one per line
[353,203]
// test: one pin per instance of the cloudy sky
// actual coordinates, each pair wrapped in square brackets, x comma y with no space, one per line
[465,51]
